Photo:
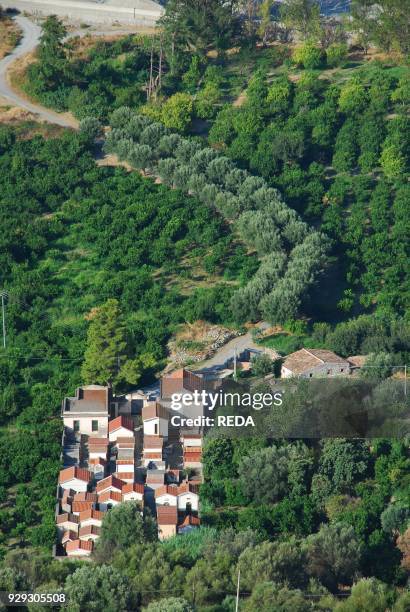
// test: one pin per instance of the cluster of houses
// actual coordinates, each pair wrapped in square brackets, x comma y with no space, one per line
[118,449]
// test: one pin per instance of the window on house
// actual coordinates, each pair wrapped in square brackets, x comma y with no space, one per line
[76,425]
[94,425]
[329,372]
[156,428]
[188,507]
[342,369]
[311,375]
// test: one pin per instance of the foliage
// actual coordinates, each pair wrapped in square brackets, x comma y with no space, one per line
[308,56]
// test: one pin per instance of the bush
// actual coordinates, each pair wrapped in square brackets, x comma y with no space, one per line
[336,54]
[308,56]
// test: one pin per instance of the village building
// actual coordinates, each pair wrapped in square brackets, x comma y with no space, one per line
[153,451]
[314,363]
[155,418]
[98,467]
[79,548]
[69,536]
[67,522]
[88,412]
[187,498]
[109,499]
[167,519]
[120,427]
[133,492]
[97,448]
[111,483]
[89,532]
[75,478]
[91,517]
[189,523]
[166,495]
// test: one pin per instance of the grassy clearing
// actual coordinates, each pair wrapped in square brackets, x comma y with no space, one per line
[10,35]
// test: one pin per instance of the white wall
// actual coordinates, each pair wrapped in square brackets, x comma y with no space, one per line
[86,425]
[186,498]
[122,432]
[166,500]
[162,427]
[75,484]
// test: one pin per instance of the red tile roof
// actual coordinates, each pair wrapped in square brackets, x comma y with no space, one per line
[121,421]
[155,477]
[107,495]
[135,487]
[153,442]
[98,461]
[88,514]
[125,442]
[69,535]
[125,461]
[176,374]
[190,520]
[166,490]
[83,496]
[66,516]
[80,506]
[74,472]
[167,515]
[188,487]
[110,481]
[153,455]
[79,545]
[154,410]
[98,441]
[125,475]
[89,530]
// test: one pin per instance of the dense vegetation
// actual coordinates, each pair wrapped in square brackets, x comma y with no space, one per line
[292,255]
[76,237]
[340,154]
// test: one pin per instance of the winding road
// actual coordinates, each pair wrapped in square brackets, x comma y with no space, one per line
[29,41]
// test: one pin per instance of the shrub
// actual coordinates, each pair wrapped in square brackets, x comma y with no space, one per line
[308,56]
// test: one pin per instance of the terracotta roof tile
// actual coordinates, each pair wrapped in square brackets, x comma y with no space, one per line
[154,410]
[107,495]
[74,472]
[166,490]
[79,545]
[135,487]
[98,441]
[121,421]
[153,442]
[83,496]
[125,442]
[89,530]
[306,359]
[190,520]
[80,506]
[66,516]
[167,515]
[69,535]
[110,481]
[90,514]
[125,476]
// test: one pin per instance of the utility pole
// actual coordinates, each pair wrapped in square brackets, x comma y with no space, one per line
[234,363]
[3,297]
[405,380]
[237,591]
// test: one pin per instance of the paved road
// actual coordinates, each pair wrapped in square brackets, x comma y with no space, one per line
[29,41]
[136,12]
[226,352]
